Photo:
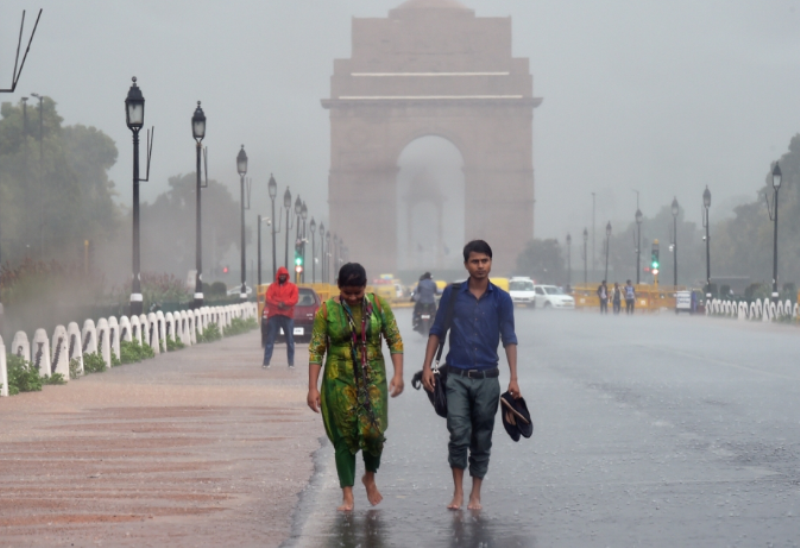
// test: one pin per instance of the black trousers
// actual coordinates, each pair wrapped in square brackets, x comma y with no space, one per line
[629,303]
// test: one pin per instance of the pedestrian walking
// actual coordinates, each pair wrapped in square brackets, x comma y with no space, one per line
[630,297]
[602,294]
[353,397]
[279,313]
[616,298]
[483,315]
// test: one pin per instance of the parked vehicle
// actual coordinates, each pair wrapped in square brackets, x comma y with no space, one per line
[521,290]
[308,302]
[552,297]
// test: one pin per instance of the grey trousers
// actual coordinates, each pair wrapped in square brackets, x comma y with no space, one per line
[471,407]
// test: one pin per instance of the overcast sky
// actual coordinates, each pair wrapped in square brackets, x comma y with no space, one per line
[661,97]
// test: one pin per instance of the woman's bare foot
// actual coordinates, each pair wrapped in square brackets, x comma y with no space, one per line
[457,502]
[373,495]
[474,503]
[347,500]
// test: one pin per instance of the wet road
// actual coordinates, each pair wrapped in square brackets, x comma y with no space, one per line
[650,431]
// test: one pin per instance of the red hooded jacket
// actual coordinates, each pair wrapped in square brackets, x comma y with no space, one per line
[278,294]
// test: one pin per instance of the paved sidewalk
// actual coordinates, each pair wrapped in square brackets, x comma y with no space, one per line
[200,447]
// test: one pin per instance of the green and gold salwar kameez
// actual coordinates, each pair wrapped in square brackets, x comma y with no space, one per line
[354,388]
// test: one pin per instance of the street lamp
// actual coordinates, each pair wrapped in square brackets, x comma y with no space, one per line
[304,216]
[675,211]
[134,118]
[287,204]
[569,260]
[608,241]
[298,207]
[267,220]
[241,167]
[199,133]
[585,256]
[313,227]
[273,192]
[776,185]
[706,205]
[638,244]
[322,252]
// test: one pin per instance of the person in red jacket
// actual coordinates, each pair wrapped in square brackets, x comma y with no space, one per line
[279,313]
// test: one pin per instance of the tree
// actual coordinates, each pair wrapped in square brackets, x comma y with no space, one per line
[543,261]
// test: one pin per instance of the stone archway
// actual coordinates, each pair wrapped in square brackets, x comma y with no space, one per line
[431,68]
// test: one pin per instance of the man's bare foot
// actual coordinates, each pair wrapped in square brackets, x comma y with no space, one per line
[347,500]
[457,502]
[474,503]
[373,495]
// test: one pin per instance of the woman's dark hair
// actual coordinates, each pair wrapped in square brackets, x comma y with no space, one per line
[352,275]
[477,246]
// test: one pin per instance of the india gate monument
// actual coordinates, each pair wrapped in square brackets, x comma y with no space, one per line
[431,69]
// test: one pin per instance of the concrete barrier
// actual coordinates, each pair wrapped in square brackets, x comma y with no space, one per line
[125,330]
[114,335]
[145,328]
[161,322]
[40,349]
[169,322]
[103,341]
[59,361]
[89,337]
[75,345]
[20,346]
[3,370]
[152,333]
[185,330]
[191,318]
[136,329]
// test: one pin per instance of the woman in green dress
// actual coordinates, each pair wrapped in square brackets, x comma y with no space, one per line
[353,397]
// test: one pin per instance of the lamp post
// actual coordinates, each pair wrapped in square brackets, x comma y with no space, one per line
[304,216]
[134,117]
[675,211]
[267,220]
[298,206]
[569,260]
[241,167]
[287,203]
[776,185]
[585,256]
[199,133]
[273,192]
[706,205]
[322,252]
[608,241]
[638,244]
[313,227]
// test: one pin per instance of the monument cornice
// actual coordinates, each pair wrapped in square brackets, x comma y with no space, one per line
[458,101]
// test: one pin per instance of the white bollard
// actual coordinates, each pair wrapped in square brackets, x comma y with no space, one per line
[161,322]
[125,332]
[89,337]
[3,371]
[152,333]
[103,342]
[60,353]
[136,329]
[169,322]
[183,329]
[145,328]
[114,335]
[41,352]
[75,345]
[20,346]
[191,322]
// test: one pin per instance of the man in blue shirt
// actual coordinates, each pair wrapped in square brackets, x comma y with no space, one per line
[483,315]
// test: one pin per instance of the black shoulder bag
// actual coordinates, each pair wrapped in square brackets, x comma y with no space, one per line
[438,397]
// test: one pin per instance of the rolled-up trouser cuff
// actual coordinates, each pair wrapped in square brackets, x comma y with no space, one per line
[471,408]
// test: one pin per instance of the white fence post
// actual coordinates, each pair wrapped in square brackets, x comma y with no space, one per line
[75,345]
[161,322]
[89,337]
[20,346]
[125,329]
[41,352]
[103,342]
[114,335]
[152,333]
[3,371]
[60,360]
[136,329]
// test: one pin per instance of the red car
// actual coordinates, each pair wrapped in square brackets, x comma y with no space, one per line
[308,302]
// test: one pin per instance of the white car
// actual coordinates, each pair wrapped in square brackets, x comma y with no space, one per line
[552,297]
[521,290]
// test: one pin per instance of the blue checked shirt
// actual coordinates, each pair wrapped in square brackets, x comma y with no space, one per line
[478,326]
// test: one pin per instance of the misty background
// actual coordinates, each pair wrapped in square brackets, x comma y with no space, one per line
[662,98]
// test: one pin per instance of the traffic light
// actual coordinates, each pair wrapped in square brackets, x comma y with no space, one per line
[298,259]
[654,262]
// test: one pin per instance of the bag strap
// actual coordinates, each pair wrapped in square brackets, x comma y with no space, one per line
[448,320]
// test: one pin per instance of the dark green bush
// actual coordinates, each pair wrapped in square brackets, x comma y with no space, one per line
[174,344]
[93,363]
[55,378]
[211,333]
[133,352]
[239,326]
[22,376]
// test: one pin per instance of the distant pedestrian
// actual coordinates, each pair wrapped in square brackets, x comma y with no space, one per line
[353,399]
[602,295]
[279,312]
[483,316]
[616,298]
[630,297]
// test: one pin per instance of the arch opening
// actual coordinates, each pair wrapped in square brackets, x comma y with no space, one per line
[430,206]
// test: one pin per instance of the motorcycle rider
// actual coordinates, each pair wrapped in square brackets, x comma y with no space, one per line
[425,297]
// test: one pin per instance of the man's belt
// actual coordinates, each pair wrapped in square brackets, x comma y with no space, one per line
[492,373]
